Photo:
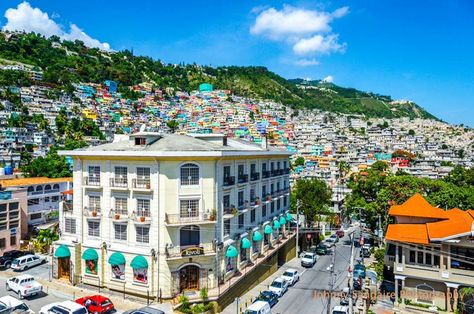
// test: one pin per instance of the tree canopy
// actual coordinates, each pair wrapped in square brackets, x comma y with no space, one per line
[314,198]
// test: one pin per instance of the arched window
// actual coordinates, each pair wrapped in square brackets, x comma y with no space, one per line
[425,294]
[189,236]
[31,189]
[189,174]
[47,188]
[56,187]
[39,188]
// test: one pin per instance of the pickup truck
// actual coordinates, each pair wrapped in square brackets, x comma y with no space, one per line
[24,286]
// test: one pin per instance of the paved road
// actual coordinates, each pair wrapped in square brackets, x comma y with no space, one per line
[302,298]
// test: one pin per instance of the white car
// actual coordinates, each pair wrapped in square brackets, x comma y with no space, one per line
[27,261]
[279,286]
[308,259]
[291,276]
[259,307]
[330,242]
[340,310]
[65,307]
[10,304]
[24,286]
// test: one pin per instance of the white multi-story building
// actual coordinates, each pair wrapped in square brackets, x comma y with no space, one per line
[170,213]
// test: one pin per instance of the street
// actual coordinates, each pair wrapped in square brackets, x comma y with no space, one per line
[303,298]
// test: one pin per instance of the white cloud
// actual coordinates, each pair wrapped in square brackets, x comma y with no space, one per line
[328,79]
[318,44]
[28,19]
[309,32]
[306,62]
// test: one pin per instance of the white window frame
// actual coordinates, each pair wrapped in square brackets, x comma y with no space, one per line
[190,185]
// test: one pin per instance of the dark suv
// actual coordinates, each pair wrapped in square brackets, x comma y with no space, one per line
[8,257]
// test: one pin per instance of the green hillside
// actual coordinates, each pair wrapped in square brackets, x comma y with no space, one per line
[66,62]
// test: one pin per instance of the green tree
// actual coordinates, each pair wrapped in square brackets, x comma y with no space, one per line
[343,167]
[314,198]
[51,166]
[411,132]
[299,162]
[173,125]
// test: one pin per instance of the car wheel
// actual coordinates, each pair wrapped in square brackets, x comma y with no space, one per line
[20,296]
[25,268]
[8,265]
[7,287]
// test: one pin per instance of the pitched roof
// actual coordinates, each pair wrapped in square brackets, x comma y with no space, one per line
[417,206]
[459,222]
[32,181]
[412,233]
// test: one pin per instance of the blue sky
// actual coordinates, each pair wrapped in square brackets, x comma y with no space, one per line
[417,50]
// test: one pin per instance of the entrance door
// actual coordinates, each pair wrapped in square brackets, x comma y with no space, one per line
[189,278]
[63,267]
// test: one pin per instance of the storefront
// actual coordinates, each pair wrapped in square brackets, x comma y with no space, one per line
[189,278]
[62,256]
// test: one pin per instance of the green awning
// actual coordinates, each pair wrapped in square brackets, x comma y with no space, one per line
[231,252]
[289,217]
[139,262]
[282,220]
[245,243]
[90,255]
[117,259]
[268,229]
[257,236]
[62,251]
[276,224]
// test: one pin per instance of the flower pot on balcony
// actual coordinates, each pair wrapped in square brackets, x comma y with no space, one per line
[148,186]
[213,214]
[142,219]
[269,198]
[94,213]
[257,201]
[117,216]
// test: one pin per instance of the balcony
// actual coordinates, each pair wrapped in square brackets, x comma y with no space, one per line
[255,201]
[267,197]
[141,184]
[120,183]
[67,206]
[142,216]
[277,172]
[255,176]
[243,178]
[92,182]
[285,190]
[51,191]
[189,218]
[286,171]
[230,212]
[229,181]
[92,212]
[178,252]
[265,174]
[119,215]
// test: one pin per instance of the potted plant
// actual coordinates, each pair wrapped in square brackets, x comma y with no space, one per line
[94,212]
[269,197]
[257,201]
[142,218]
[213,214]
[117,216]
[148,185]
[234,210]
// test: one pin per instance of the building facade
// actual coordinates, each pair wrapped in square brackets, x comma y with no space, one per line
[13,218]
[162,214]
[431,253]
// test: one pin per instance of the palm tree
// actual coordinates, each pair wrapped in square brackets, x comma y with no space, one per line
[172,125]
[343,168]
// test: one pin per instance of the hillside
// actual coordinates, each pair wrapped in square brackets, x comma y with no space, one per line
[65,62]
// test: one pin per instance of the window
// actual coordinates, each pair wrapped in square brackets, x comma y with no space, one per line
[272,188]
[243,254]
[226,227]
[240,171]
[241,221]
[272,166]
[3,208]
[428,258]
[35,216]
[3,226]
[3,216]
[285,164]
[39,189]
[252,215]
[264,210]
[70,225]
[33,201]
[189,174]
[94,228]
[188,208]
[13,224]
[120,232]
[278,165]
[47,199]
[94,175]
[14,215]
[240,198]
[253,168]
[264,191]
[272,207]
[143,177]
[419,257]
[2,243]
[94,202]
[278,186]
[55,199]
[285,201]
[412,257]
[12,240]
[121,205]
[47,188]
[226,201]
[255,246]
[143,207]
[31,189]
[278,204]
[252,194]
[121,172]
[140,141]
[143,234]
[226,172]
[189,236]
[56,187]
[264,167]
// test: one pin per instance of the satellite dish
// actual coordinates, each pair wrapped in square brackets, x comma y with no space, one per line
[142,128]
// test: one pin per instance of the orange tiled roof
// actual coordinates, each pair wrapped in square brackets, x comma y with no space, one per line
[412,233]
[417,206]
[459,222]
[32,181]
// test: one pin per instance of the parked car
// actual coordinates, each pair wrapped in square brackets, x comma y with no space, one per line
[10,304]
[97,304]
[387,287]
[330,242]
[27,261]
[145,310]
[357,282]
[359,269]
[340,310]
[279,286]
[365,252]
[24,286]
[308,259]
[334,237]
[321,249]
[268,296]
[291,276]
[340,233]
[65,307]
[8,257]
[259,307]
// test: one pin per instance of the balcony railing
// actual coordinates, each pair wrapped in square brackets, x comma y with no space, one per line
[255,176]
[277,172]
[67,206]
[119,214]
[119,182]
[142,216]
[190,250]
[37,192]
[92,181]
[229,181]
[92,211]
[51,191]
[192,217]
[286,171]
[265,174]
[243,178]
[141,184]
[255,201]
[267,197]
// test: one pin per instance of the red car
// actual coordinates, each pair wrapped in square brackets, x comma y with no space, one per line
[96,304]
[340,233]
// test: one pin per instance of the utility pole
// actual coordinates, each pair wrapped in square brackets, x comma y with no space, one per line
[351,275]
[331,280]
[380,232]
[297,228]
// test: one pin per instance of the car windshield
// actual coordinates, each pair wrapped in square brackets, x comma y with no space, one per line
[264,296]
[288,274]
[308,256]
[338,312]
[22,307]
[82,310]
[16,261]
[58,310]
[105,303]
[276,284]
[251,312]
